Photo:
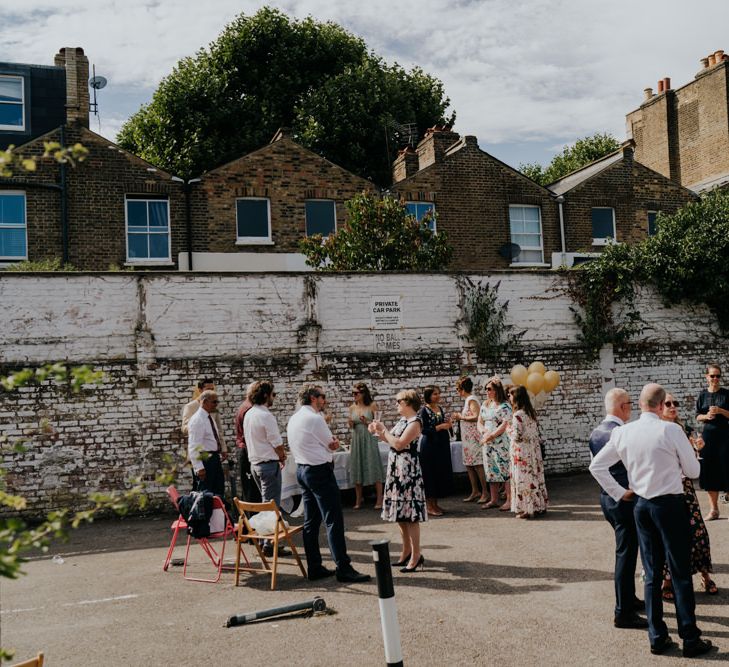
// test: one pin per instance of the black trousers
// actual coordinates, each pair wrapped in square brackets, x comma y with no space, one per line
[620,516]
[214,479]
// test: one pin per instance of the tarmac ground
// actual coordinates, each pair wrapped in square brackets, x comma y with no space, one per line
[494,591]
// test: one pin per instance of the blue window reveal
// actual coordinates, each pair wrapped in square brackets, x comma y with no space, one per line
[13,242]
[603,223]
[11,103]
[420,210]
[652,229]
[320,217]
[148,230]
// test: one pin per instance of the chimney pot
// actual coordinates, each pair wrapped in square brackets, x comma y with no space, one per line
[660,86]
[719,56]
[648,92]
[704,63]
[667,83]
[712,60]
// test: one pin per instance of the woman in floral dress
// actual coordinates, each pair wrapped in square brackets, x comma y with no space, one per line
[493,419]
[528,489]
[404,498]
[471,439]
[700,549]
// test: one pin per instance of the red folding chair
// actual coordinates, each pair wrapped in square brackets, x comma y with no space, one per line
[207,547]
[177,525]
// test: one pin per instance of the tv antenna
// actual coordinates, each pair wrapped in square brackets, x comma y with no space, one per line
[96,83]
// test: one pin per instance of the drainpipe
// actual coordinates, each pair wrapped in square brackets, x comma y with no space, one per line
[64,202]
[560,202]
[187,188]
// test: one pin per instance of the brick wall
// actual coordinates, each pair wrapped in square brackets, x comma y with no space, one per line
[154,335]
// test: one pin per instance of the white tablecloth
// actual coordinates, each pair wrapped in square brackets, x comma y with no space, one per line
[456,455]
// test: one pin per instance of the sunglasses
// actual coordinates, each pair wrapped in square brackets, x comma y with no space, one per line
[273,393]
[489,388]
[356,393]
[671,404]
[400,400]
[713,377]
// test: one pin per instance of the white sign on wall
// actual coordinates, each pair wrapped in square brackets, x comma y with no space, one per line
[387,319]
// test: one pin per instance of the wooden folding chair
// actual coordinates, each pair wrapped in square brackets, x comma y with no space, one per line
[177,525]
[33,662]
[245,533]
[208,548]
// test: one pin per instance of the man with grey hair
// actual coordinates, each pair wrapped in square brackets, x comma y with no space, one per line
[655,454]
[205,446]
[619,513]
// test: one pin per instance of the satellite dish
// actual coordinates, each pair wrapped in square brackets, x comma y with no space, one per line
[510,251]
[97,82]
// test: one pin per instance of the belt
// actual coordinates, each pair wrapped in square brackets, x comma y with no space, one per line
[318,465]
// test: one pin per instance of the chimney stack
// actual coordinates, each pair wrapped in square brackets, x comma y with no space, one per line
[77,84]
[433,145]
[405,164]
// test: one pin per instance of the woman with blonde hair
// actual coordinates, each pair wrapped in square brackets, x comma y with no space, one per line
[364,460]
[493,419]
[404,497]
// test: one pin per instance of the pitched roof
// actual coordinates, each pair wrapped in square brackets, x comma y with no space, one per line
[721,180]
[588,171]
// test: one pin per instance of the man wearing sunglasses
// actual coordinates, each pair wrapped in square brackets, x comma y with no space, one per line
[204,446]
[619,513]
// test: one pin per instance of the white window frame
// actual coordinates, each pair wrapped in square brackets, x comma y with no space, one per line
[15,258]
[607,239]
[648,221]
[334,202]
[136,261]
[254,240]
[426,203]
[516,262]
[16,128]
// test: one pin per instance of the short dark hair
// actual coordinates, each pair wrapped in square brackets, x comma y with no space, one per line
[429,391]
[711,365]
[259,391]
[308,392]
[465,383]
[203,382]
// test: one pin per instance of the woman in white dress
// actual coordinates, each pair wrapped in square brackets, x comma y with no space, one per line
[471,440]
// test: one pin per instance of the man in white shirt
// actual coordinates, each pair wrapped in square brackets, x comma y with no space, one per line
[656,453]
[265,447]
[204,446]
[311,443]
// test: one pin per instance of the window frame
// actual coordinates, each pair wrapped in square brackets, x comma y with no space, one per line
[516,262]
[602,241]
[254,240]
[134,261]
[431,204]
[7,258]
[22,126]
[334,206]
[648,218]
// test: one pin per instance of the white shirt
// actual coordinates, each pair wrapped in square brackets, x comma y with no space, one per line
[309,437]
[200,437]
[262,435]
[654,452]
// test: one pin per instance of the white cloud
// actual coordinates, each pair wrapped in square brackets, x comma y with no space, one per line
[516,72]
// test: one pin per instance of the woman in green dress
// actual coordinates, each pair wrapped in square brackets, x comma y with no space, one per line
[365,463]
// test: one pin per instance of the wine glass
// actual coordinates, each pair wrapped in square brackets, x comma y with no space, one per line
[378,415]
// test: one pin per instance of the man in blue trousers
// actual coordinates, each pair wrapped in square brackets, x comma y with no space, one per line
[656,453]
[619,514]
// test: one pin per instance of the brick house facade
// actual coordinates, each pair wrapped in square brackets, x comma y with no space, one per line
[619,191]
[684,133]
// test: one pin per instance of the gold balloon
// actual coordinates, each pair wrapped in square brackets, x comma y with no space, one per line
[519,375]
[537,367]
[535,383]
[551,381]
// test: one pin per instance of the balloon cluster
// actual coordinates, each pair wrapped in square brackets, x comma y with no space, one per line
[536,378]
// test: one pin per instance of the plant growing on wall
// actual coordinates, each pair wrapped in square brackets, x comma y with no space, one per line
[485,318]
[684,262]
[379,235]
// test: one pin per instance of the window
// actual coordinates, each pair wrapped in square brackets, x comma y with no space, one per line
[253,220]
[526,231]
[652,229]
[419,209]
[13,240]
[603,225]
[148,230]
[12,98]
[320,217]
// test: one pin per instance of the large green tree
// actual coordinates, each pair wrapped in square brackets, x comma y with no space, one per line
[379,235]
[572,157]
[266,71]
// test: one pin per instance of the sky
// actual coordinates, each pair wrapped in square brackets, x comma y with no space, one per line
[526,77]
